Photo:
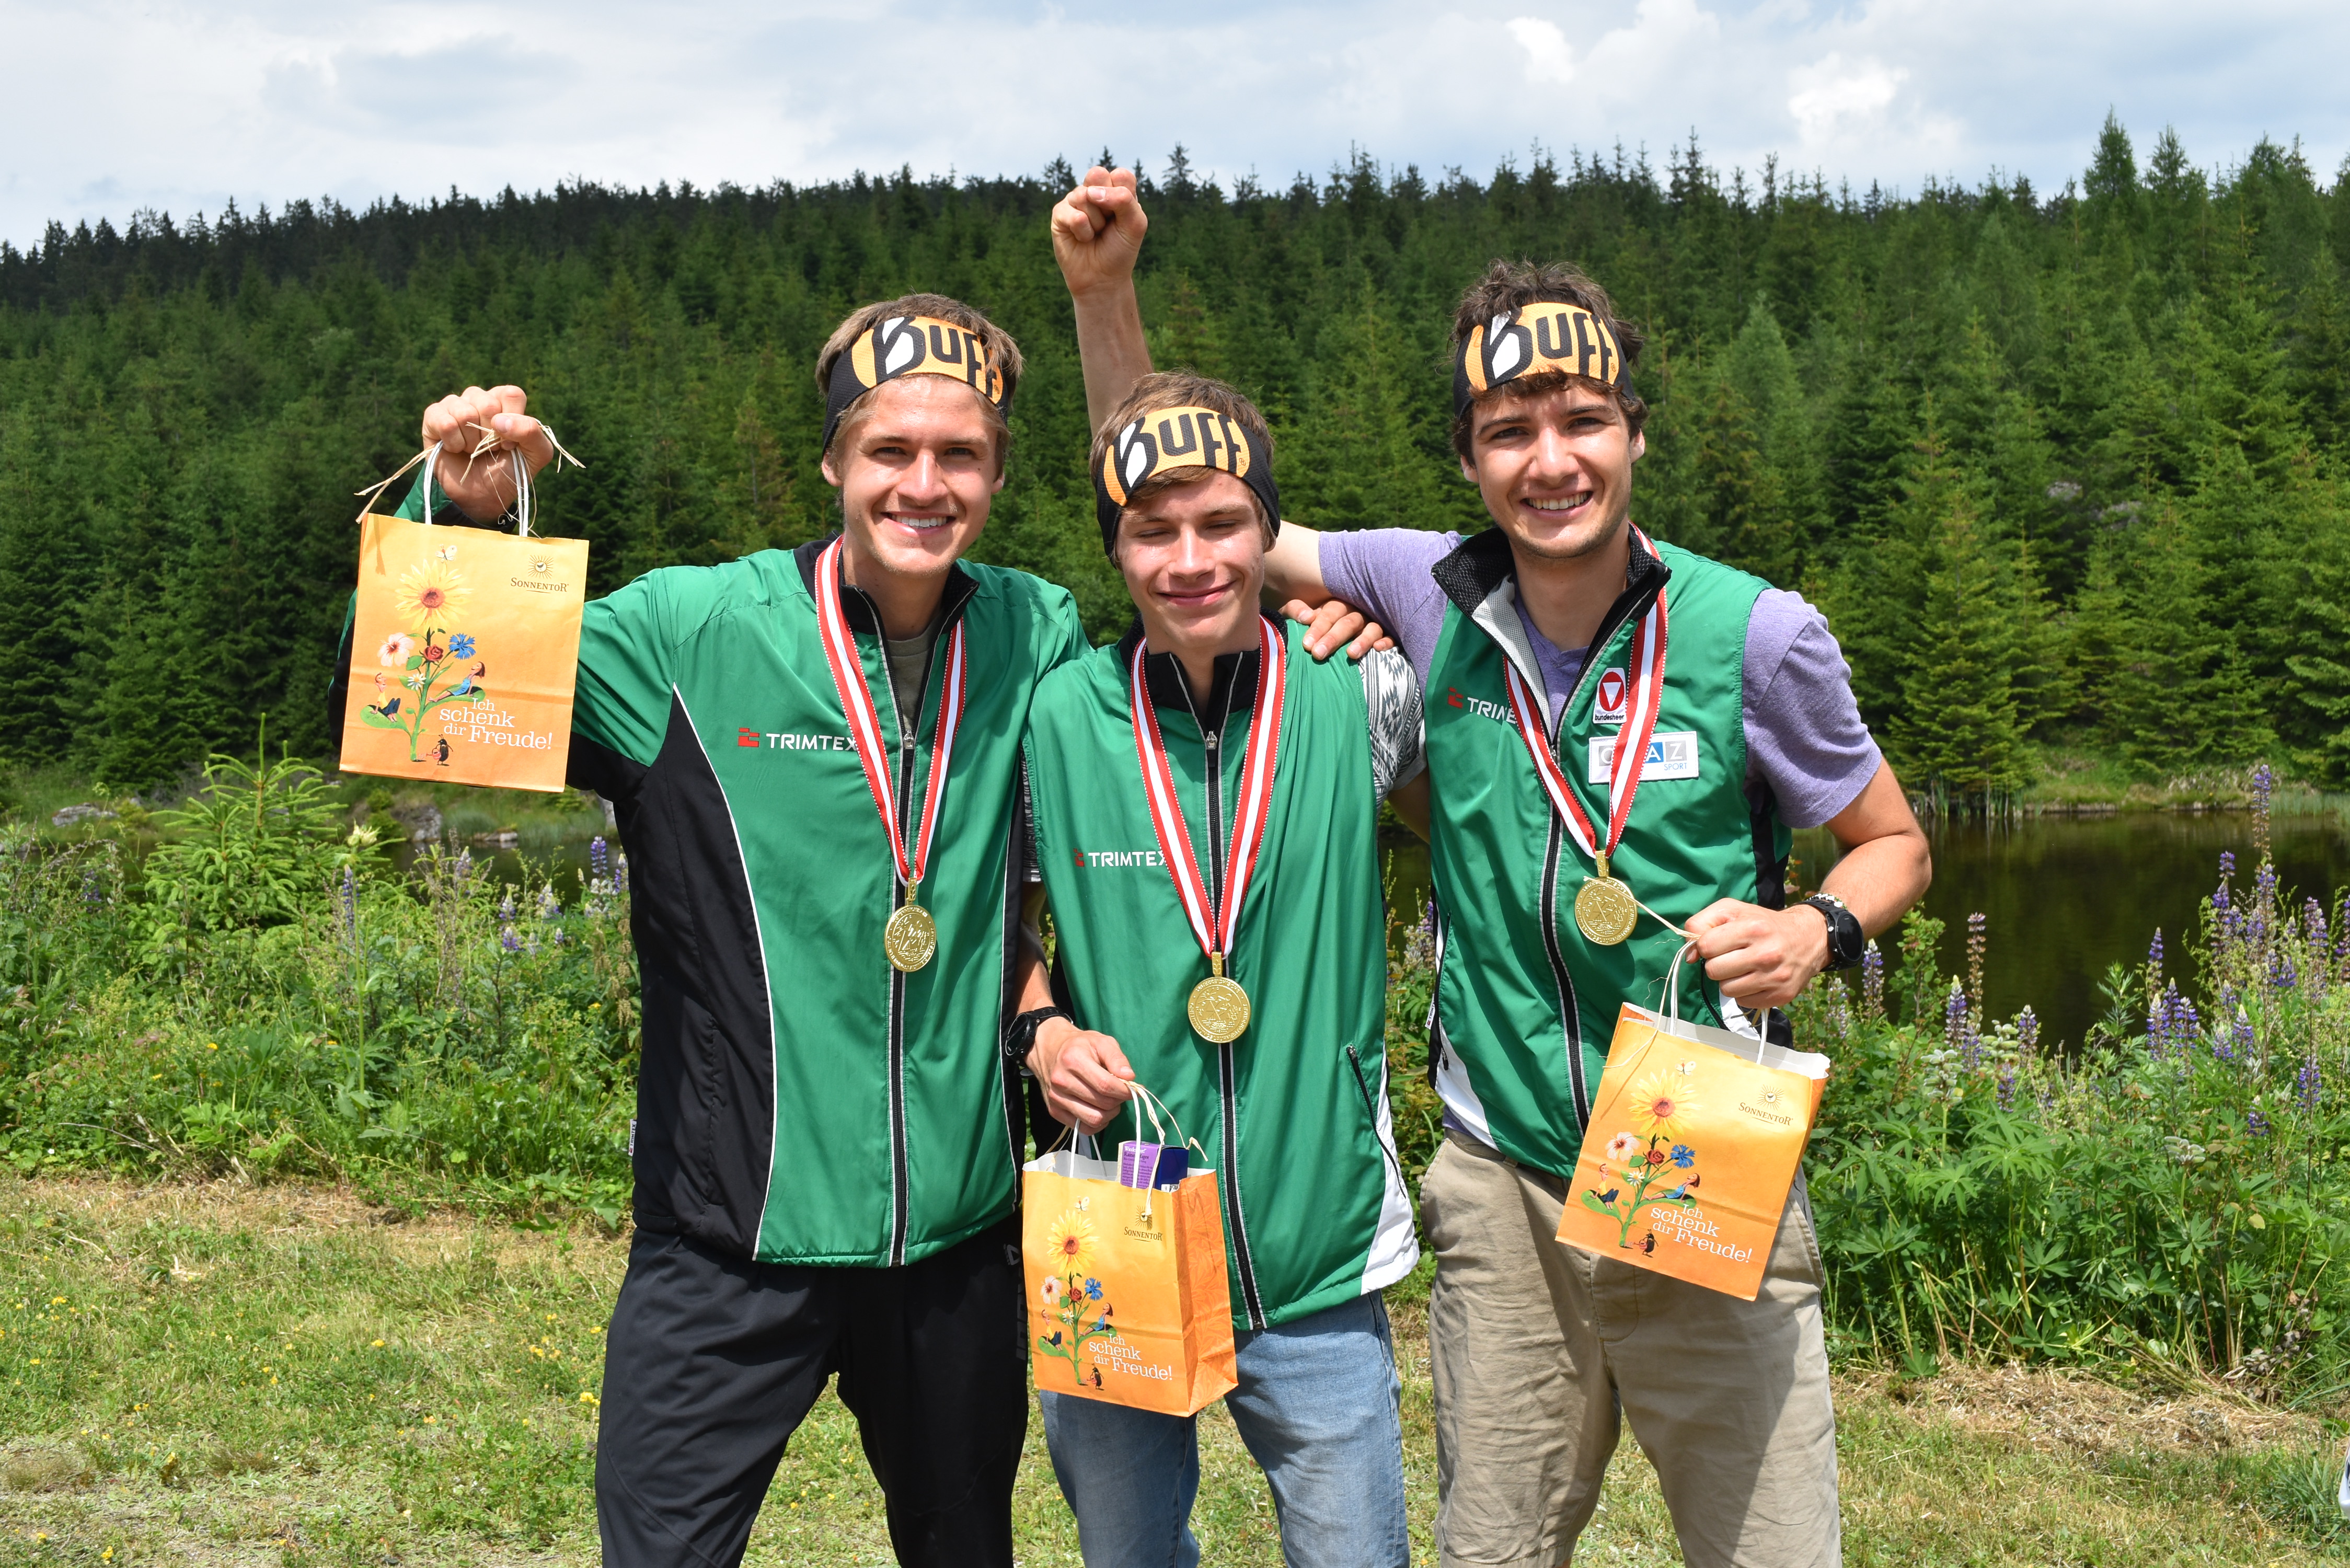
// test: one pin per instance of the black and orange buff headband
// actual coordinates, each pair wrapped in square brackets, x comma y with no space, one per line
[910,346]
[1532,339]
[1166,440]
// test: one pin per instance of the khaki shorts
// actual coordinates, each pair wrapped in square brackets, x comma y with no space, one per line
[1535,1346]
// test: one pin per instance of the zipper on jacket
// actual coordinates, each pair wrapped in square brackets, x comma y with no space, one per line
[901,1185]
[1235,1216]
[1371,1109]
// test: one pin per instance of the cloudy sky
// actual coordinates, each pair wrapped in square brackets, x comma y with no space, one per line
[111,107]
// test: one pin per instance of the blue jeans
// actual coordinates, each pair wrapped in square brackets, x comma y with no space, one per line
[1318,1407]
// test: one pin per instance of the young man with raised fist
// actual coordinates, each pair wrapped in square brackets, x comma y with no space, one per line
[827,1140]
[1210,733]
[1542,644]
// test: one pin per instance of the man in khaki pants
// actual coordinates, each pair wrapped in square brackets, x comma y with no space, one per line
[1555,623]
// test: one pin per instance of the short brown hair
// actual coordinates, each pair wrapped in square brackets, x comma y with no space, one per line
[1001,349]
[1176,390]
[1510,285]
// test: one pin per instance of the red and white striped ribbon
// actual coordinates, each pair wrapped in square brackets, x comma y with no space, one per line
[865,722]
[1647,682]
[1214,925]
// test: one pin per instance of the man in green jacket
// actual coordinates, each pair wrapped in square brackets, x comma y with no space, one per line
[1579,759]
[1206,799]
[813,758]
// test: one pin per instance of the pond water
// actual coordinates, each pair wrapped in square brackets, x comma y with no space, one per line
[2065,895]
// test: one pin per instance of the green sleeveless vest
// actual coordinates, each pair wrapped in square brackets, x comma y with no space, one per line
[1527,1004]
[1293,1116]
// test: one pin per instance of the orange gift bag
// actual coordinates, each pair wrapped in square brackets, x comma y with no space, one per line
[1125,1286]
[1692,1146]
[464,652]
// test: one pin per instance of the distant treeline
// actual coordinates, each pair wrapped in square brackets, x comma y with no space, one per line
[2063,464]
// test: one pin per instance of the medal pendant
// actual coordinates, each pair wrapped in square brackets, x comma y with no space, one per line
[1605,910]
[1219,1010]
[911,936]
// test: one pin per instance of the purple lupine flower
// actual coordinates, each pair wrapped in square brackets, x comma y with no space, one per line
[2307,1089]
[2007,1087]
[465,865]
[2280,970]
[348,897]
[599,858]
[1872,981]
[2263,785]
[2313,923]
[2154,953]
[1428,920]
[506,906]
[2184,1022]
[2027,1029]
[2256,1124]
[510,940]
[2226,863]
[2244,1038]
[620,875]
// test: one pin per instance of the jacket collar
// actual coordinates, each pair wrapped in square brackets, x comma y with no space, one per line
[1232,690]
[1481,578]
[857,605]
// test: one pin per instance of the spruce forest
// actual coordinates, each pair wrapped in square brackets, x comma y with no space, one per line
[2064,468]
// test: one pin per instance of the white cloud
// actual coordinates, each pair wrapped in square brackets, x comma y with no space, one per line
[1548,59]
[114,105]
[1832,93]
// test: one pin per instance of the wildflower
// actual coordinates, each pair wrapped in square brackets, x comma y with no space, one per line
[461,646]
[2257,1122]
[1684,1155]
[620,875]
[2027,1029]
[2307,1090]
[1872,981]
[2007,1086]
[599,858]
[549,906]
[2154,953]
[2227,865]
[510,941]
[2280,970]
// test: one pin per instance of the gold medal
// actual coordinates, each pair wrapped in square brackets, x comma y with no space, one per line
[1219,1007]
[911,935]
[1605,910]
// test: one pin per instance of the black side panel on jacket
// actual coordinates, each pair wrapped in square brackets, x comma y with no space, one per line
[705,1093]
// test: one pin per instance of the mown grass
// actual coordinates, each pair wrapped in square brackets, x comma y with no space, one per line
[222,1375]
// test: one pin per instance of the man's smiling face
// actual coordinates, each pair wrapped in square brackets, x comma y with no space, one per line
[1555,468]
[918,469]
[1193,558]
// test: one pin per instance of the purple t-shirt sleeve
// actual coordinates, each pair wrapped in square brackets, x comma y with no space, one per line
[1386,574]
[1804,734]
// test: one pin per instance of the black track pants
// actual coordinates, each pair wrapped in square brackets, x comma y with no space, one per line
[713,1361]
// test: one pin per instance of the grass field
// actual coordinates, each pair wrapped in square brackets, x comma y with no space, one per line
[224,1375]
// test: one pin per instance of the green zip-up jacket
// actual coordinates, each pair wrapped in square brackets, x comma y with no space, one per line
[800,1100]
[1292,1116]
[1525,1004]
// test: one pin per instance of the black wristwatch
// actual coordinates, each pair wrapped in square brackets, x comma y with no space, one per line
[1845,938]
[1020,1035]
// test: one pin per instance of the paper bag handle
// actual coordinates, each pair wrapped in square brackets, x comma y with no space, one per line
[524,498]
